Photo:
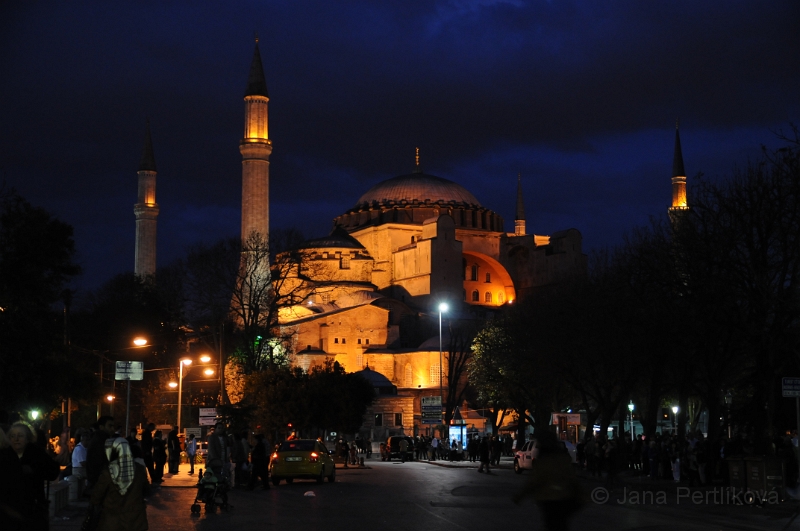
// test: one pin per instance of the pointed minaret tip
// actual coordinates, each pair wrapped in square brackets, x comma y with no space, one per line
[677,159]
[417,167]
[256,83]
[520,204]
[148,160]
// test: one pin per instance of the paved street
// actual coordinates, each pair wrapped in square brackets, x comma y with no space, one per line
[418,495]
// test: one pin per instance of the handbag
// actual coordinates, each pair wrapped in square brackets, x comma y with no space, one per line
[92,518]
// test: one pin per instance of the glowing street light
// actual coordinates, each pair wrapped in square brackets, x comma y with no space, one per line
[443,307]
[630,409]
[675,418]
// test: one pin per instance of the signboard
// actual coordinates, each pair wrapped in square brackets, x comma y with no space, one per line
[431,409]
[198,432]
[129,370]
[208,412]
[208,421]
[791,387]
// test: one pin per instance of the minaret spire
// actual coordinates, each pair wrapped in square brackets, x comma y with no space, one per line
[146,211]
[417,167]
[255,147]
[678,175]
[519,219]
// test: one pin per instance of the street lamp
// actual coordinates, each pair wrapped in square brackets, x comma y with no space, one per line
[443,307]
[674,418]
[630,409]
[185,361]
[728,402]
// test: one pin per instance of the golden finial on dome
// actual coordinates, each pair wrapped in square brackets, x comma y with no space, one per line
[417,169]
[255,35]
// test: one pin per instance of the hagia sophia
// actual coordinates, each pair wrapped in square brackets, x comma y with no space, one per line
[405,245]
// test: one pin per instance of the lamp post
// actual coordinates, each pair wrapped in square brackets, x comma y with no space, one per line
[728,401]
[630,409]
[183,362]
[442,308]
[674,419]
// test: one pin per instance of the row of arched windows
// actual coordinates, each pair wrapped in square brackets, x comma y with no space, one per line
[487,296]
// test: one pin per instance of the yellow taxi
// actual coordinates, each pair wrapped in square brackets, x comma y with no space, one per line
[301,459]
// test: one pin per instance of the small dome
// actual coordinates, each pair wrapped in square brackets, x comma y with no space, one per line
[338,238]
[418,187]
[376,379]
[432,344]
[357,298]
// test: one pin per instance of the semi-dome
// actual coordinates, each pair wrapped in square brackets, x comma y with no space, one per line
[417,188]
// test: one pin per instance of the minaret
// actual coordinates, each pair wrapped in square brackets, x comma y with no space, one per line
[255,148]
[519,219]
[678,177]
[146,212]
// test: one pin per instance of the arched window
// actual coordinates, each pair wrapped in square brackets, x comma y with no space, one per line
[487,297]
[474,275]
[475,296]
[345,262]
[409,382]
[488,277]
[501,298]
[360,361]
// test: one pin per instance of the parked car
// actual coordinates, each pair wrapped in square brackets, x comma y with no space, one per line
[301,459]
[523,457]
[393,448]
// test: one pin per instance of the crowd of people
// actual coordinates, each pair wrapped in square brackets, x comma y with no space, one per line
[667,456]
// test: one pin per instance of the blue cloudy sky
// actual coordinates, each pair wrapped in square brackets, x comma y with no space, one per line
[579,97]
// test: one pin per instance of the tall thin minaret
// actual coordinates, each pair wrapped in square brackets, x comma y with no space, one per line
[146,211]
[519,219]
[678,176]
[255,148]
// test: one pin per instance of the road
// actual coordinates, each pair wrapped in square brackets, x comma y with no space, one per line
[418,495]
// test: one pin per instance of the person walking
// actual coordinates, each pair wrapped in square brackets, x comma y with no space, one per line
[25,467]
[120,491]
[403,449]
[79,459]
[147,449]
[259,458]
[159,458]
[218,451]
[434,447]
[174,450]
[483,453]
[552,483]
[191,452]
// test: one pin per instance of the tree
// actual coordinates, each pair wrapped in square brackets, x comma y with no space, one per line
[36,262]
[458,353]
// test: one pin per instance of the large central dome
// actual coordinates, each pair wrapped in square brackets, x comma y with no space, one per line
[417,188]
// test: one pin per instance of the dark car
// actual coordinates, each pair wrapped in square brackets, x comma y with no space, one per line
[393,448]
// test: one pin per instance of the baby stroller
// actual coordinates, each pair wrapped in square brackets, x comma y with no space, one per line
[212,490]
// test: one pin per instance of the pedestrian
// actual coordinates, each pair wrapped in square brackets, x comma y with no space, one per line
[403,449]
[552,483]
[434,447]
[483,452]
[259,459]
[217,455]
[345,449]
[174,450]
[191,452]
[147,449]
[118,497]
[159,457]
[79,459]
[96,459]
[25,468]
[353,454]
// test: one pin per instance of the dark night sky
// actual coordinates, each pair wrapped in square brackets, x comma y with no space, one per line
[581,97]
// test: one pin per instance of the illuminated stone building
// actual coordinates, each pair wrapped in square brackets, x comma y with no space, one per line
[408,243]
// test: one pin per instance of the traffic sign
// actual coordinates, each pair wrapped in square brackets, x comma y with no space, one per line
[129,370]
[791,387]
[208,412]
[431,409]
